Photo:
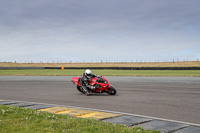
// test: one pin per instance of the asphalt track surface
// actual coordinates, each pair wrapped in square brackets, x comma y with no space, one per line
[175,98]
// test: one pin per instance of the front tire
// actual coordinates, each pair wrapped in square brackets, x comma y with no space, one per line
[112,91]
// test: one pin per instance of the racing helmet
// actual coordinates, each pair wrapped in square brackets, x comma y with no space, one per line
[88,73]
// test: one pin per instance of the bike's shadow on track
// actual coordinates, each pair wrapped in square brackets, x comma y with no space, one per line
[98,94]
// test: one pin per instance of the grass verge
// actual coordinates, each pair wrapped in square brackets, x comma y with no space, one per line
[20,120]
[74,72]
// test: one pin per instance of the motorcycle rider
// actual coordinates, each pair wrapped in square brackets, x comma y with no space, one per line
[84,81]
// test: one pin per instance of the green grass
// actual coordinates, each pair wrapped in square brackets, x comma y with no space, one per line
[21,120]
[73,72]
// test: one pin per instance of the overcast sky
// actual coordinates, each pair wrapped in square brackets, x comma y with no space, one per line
[95,30]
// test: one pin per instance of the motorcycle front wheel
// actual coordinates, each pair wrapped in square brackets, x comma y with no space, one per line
[112,91]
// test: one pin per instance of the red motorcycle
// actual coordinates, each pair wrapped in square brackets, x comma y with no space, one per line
[101,85]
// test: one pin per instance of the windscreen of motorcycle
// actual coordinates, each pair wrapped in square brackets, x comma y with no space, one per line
[100,80]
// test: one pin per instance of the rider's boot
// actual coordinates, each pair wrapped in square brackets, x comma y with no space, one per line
[86,91]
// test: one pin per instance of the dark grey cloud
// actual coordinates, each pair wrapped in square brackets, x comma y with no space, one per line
[121,29]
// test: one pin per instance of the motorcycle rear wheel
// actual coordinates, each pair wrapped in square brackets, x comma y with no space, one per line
[112,91]
[79,88]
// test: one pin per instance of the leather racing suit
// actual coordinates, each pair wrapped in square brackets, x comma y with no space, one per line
[84,81]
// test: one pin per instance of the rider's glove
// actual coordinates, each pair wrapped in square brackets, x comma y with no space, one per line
[92,87]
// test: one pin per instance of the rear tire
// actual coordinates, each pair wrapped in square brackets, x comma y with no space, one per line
[112,91]
[79,88]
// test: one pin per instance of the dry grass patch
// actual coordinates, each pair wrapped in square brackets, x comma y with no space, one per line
[124,64]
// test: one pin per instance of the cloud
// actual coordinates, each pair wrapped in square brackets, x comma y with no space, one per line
[98,30]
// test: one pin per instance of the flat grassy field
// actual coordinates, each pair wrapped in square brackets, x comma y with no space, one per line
[74,72]
[21,120]
[119,64]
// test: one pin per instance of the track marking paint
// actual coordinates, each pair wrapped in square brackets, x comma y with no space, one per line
[188,123]
[100,115]
[55,109]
